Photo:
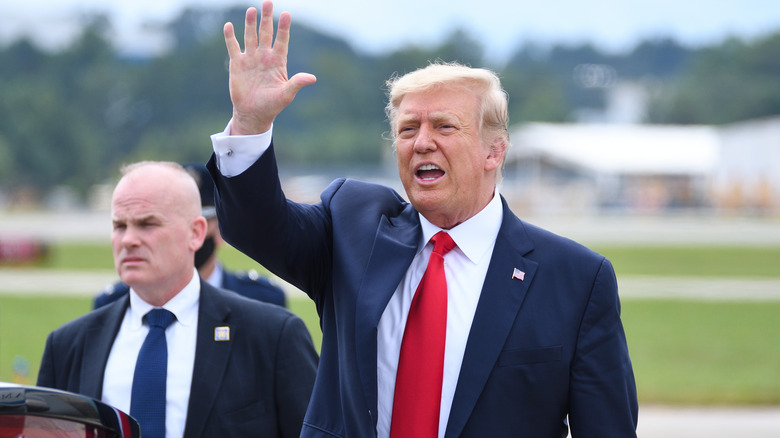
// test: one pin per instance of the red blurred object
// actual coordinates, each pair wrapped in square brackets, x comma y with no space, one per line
[20,251]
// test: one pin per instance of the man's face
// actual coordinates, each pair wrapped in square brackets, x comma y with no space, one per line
[448,172]
[153,243]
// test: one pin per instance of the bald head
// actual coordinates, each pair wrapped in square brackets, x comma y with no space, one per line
[157,227]
[161,181]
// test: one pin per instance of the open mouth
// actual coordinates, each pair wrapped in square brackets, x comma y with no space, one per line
[429,172]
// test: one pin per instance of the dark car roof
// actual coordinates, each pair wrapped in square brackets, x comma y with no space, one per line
[20,401]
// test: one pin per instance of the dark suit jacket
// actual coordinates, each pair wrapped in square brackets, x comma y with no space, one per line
[253,286]
[249,285]
[256,384]
[539,349]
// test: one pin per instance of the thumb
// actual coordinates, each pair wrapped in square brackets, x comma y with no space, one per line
[298,81]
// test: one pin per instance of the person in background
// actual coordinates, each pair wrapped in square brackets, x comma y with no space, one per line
[249,284]
[184,358]
[444,316]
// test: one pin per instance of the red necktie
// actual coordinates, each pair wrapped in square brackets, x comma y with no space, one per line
[417,400]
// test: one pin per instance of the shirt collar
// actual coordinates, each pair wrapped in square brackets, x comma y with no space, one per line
[216,277]
[184,305]
[476,235]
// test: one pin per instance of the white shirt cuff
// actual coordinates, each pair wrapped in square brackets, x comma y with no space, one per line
[236,153]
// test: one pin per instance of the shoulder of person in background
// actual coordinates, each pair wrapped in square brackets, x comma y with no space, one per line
[252,285]
[110,293]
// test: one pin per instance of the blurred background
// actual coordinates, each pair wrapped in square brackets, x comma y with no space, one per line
[648,130]
[640,106]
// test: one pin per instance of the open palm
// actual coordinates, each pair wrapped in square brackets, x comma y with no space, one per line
[259,86]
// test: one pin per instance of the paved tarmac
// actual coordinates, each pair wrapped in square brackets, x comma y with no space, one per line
[671,422]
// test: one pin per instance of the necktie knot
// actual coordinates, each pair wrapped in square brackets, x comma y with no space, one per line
[442,243]
[160,318]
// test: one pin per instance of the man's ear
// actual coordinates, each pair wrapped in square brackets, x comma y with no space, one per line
[199,227]
[496,151]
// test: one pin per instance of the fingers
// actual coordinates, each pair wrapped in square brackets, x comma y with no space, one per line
[233,48]
[267,25]
[250,30]
[265,37]
[283,34]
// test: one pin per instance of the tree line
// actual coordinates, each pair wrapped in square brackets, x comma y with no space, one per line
[71,117]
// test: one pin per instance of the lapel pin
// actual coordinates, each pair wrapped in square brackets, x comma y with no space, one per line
[518,274]
[221,334]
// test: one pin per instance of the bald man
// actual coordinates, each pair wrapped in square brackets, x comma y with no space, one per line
[235,366]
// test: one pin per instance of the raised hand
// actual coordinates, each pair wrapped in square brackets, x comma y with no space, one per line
[259,87]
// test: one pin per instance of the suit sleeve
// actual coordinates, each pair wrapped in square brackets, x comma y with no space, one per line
[290,239]
[603,391]
[296,368]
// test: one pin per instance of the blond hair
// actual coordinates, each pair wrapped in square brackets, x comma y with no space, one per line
[484,83]
[494,112]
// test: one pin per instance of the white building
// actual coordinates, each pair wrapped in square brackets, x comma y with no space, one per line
[644,168]
[747,175]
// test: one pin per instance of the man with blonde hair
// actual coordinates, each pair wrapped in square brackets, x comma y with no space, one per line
[185,358]
[444,316]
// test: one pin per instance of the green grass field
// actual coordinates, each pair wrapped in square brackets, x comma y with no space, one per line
[684,352]
[25,321]
[704,353]
[696,261]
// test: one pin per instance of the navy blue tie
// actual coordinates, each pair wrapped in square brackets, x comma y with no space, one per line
[147,402]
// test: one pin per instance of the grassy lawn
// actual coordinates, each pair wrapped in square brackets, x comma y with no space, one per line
[696,261]
[704,353]
[24,324]
[684,352]
[25,321]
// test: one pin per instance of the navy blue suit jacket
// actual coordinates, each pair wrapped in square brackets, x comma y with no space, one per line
[540,349]
[248,285]
[256,384]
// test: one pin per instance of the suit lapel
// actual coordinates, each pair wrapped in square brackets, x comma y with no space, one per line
[211,358]
[500,301]
[100,338]
[395,245]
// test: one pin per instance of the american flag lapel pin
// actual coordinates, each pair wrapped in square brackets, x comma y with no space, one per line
[518,274]
[221,334]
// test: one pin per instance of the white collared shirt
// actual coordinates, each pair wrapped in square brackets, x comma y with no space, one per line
[181,338]
[235,153]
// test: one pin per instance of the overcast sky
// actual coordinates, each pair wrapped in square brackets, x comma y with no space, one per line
[378,26]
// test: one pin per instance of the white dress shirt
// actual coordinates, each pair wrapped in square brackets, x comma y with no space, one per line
[465,269]
[181,338]
[235,153]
